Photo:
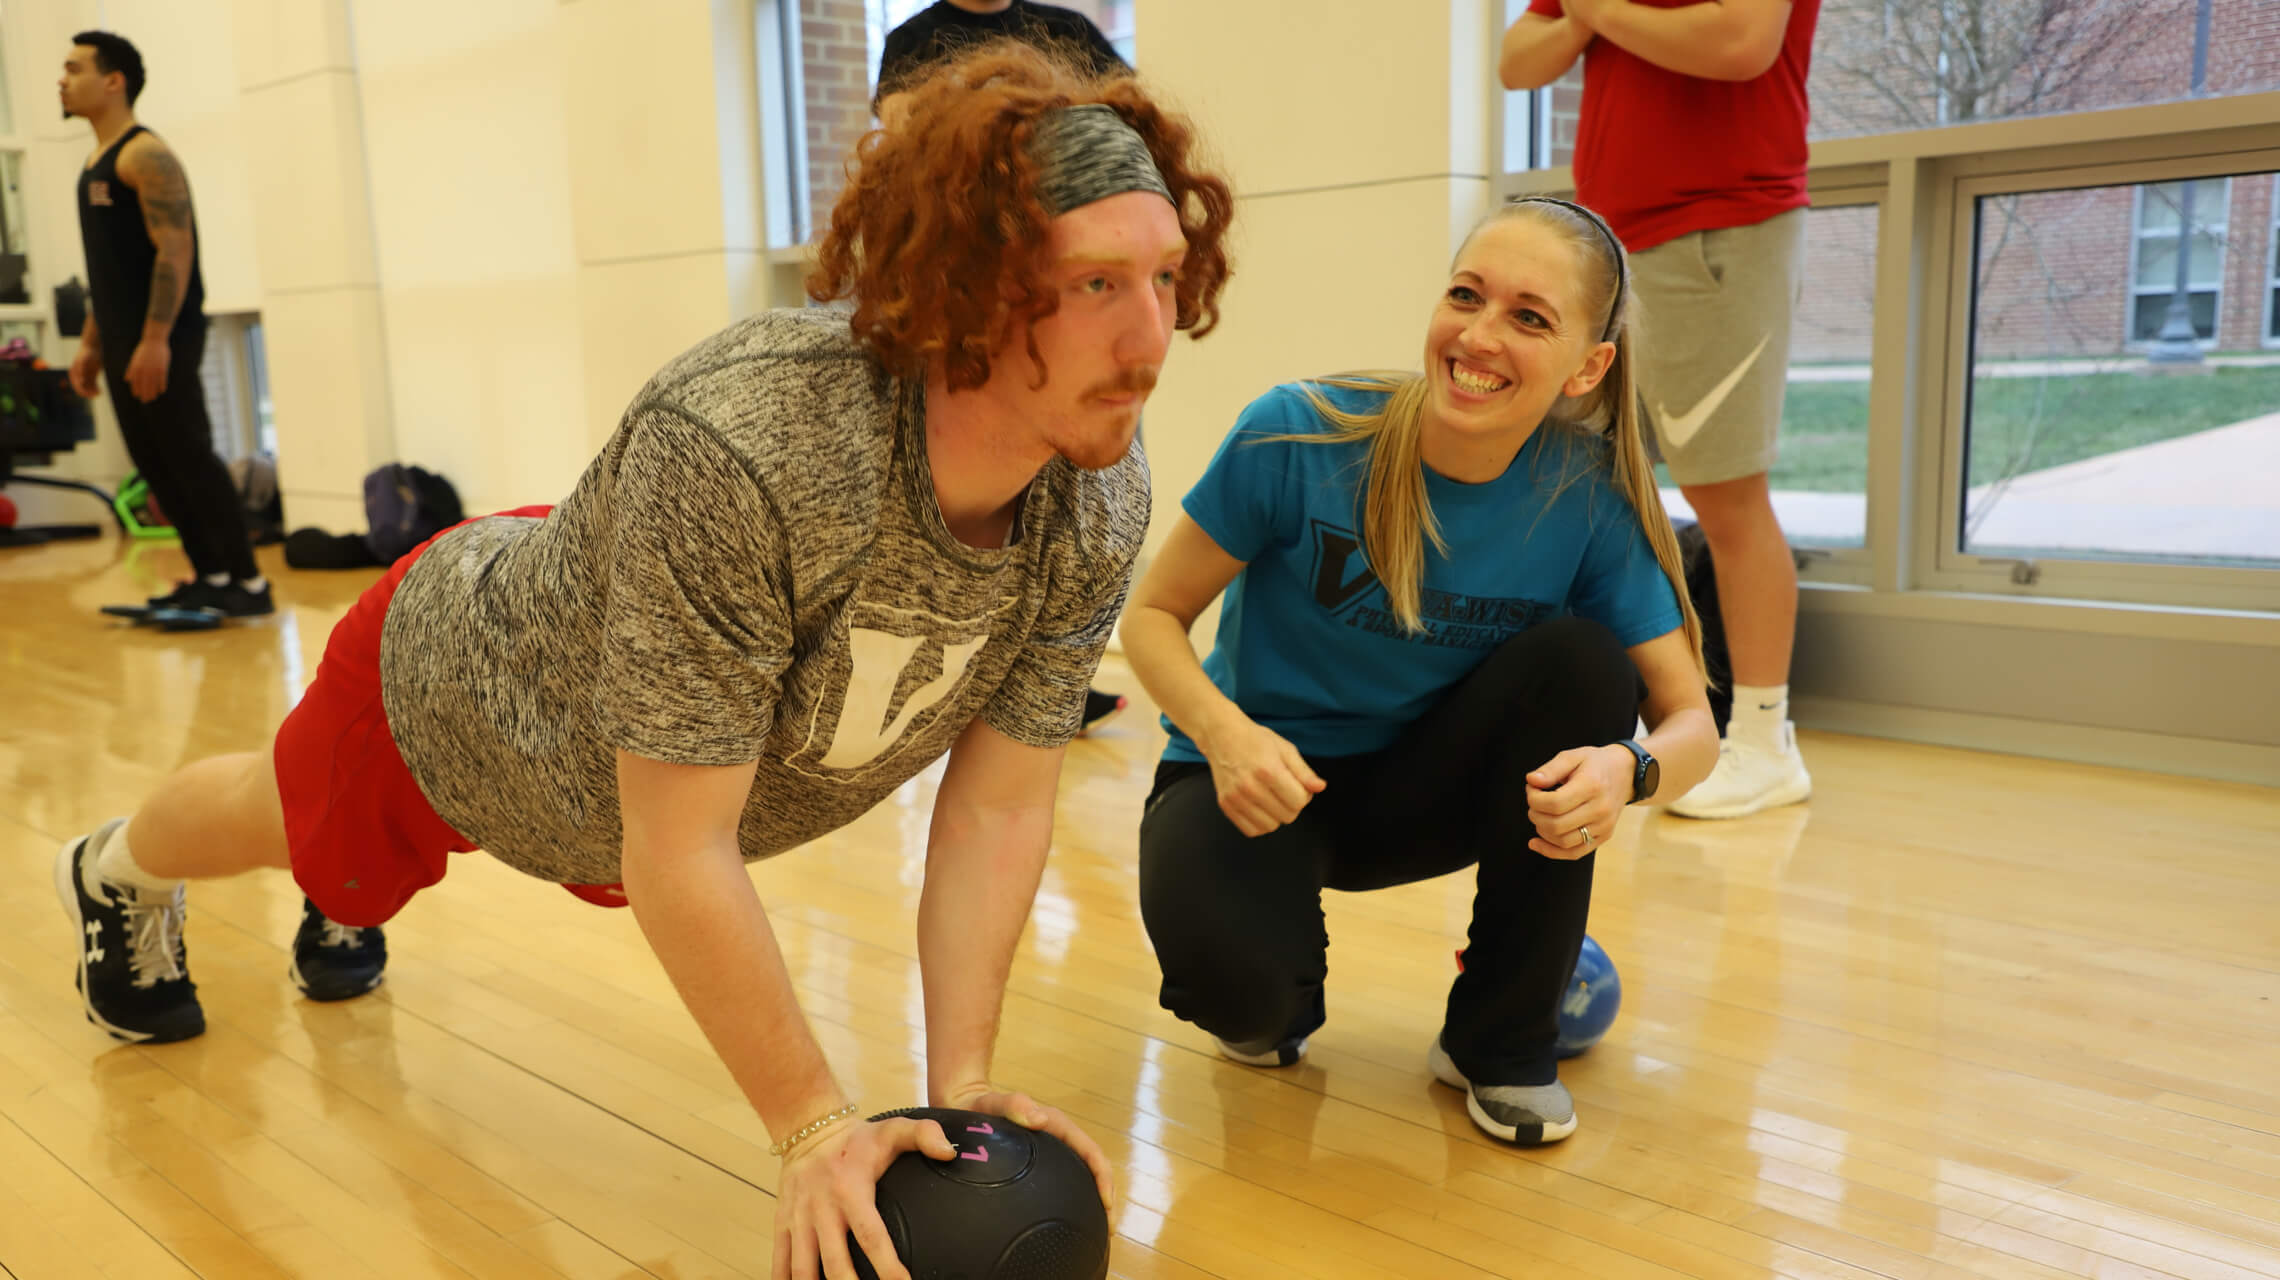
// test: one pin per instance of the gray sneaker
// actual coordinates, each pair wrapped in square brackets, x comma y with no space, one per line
[1277,1053]
[1529,1115]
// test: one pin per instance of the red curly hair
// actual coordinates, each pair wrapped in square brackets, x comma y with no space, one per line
[939,233]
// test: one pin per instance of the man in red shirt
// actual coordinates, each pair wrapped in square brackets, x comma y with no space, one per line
[1692,146]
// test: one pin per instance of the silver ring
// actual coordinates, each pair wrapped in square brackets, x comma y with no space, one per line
[1586,836]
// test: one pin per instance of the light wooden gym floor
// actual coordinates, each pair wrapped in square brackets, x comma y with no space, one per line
[1964,1016]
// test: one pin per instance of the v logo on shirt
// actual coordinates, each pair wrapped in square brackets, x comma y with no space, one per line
[877,662]
[1333,548]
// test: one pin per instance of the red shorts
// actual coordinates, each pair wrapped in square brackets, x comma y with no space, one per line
[363,836]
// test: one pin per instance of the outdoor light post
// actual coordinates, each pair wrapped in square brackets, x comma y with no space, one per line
[2178,342]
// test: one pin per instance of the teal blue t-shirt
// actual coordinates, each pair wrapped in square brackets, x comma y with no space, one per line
[1309,646]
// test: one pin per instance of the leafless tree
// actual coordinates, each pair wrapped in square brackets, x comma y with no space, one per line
[1912,64]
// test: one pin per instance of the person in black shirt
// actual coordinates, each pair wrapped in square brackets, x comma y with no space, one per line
[943,28]
[146,328]
[938,33]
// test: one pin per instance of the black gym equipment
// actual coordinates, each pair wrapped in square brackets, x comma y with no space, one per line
[1014,1204]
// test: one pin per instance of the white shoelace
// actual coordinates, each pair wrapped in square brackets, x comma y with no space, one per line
[341,935]
[154,937]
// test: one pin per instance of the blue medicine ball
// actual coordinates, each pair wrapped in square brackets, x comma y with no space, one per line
[1014,1204]
[1593,995]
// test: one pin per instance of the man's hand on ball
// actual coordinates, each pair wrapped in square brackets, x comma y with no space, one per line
[1029,1113]
[829,1187]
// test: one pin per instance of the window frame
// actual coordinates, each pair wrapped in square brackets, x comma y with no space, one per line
[2268,336]
[1937,540]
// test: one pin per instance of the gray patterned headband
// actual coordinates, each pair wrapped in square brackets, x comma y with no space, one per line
[1088,153]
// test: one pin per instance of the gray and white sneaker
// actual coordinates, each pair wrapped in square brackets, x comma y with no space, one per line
[134,970]
[1275,1053]
[1529,1115]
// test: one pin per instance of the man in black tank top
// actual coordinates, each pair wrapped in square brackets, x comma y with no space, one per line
[146,330]
[940,31]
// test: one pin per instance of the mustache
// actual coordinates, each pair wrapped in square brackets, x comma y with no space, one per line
[1141,381]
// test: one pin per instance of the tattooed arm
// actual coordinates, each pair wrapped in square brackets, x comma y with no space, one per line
[150,167]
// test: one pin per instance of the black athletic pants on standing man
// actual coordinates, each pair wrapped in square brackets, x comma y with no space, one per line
[1237,921]
[171,440]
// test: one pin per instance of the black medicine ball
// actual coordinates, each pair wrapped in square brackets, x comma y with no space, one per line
[1014,1205]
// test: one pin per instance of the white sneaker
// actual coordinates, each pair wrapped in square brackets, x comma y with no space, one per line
[1528,1115]
[1749,777]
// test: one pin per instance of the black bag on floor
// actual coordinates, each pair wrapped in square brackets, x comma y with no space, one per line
[316,549]
[404,507]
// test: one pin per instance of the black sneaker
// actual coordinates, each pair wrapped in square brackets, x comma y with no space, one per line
[196,593]
[336,961]
[1100,708]
[238,600]
[134,971]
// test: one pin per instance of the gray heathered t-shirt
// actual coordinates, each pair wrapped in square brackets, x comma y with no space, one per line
[754,568]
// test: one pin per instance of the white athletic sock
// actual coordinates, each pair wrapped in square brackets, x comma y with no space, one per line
[116,863]
[217,579]
[1759,712]
[256,583]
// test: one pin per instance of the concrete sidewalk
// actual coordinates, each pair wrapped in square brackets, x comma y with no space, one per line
[2212,494]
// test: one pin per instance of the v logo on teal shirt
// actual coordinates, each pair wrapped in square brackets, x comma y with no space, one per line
[1333,549]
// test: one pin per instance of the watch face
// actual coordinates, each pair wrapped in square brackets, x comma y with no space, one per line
[1650,777]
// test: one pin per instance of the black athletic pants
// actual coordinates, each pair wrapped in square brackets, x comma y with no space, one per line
[171,441]
[1237,922]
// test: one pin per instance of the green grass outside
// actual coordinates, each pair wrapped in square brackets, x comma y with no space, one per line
[2020,425]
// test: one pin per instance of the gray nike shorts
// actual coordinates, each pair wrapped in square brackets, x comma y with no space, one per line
[1713,358]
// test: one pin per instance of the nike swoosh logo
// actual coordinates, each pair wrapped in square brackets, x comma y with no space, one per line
[1679,428]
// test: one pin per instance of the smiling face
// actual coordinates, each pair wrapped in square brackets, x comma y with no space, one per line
[1514,332]
[1115,264]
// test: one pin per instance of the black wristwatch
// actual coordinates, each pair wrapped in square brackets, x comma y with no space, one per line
[1647,777]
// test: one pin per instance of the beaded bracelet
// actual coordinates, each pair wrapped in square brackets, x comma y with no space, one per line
[814,1128]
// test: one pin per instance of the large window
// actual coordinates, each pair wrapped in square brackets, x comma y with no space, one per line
[23,319]
[2077,445]
[822,59]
